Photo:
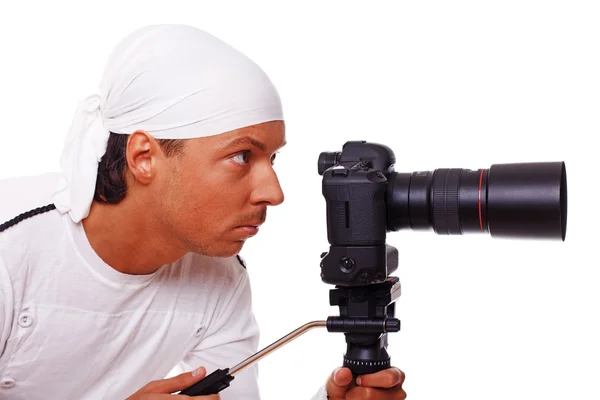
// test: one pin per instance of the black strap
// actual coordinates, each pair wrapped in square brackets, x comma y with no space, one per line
[241,261]
[25,215]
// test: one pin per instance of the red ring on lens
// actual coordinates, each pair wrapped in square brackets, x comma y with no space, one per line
[479,200]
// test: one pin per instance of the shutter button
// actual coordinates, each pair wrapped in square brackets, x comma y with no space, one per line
[25,320]
[7,382]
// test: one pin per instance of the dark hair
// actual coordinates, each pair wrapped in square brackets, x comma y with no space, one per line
[111,186]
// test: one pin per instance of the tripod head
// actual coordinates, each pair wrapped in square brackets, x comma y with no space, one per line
[366,198]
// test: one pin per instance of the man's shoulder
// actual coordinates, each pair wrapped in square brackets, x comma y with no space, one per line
[241,261]
[21,194]
[235,263]
[210,278]
[207,268]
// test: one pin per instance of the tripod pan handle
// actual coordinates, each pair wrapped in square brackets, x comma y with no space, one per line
[211,384]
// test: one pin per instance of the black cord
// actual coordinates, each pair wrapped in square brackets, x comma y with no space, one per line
[25,215]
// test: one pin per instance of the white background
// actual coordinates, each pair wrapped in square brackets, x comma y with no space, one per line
[444,84]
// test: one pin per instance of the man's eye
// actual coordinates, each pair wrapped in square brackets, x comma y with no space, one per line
[241,158]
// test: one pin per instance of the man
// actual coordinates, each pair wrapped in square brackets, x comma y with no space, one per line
[125,264]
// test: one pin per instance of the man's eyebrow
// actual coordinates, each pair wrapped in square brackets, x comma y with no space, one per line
[246,140]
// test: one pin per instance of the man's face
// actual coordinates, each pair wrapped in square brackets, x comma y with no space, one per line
[217,191]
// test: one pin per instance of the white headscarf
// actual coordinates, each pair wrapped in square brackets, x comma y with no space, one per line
[172,81]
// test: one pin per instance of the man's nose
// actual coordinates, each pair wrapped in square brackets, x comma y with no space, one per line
[268,190]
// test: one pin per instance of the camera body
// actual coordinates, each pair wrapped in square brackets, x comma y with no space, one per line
[355,184]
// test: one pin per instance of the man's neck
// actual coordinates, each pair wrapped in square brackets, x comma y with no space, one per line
[126,239]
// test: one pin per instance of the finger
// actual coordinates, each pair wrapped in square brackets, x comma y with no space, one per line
[176,383]
[370,393]
[386,378]
[165,396]
[338,383]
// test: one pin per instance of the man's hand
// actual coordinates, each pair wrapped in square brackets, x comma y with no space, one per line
[162,389]
[382,385]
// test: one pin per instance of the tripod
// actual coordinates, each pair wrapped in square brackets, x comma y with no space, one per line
[366,318]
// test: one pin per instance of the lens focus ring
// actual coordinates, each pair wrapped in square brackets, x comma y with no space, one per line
[445,202]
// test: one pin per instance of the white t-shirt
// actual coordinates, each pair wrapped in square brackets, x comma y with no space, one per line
[72,327]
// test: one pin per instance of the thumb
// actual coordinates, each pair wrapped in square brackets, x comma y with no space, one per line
[178,382]
[338,383]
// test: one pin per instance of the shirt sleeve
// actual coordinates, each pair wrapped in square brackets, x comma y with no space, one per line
[321,394]
[6,306]
[230,340]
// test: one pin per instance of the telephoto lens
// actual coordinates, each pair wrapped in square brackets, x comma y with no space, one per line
[519,200]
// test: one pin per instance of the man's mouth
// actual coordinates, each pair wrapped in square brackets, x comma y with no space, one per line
[250,228]
[247,230]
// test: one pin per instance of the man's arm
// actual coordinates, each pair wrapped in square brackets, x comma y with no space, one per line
[232,338]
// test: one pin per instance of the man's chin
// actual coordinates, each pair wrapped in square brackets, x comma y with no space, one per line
[223,250]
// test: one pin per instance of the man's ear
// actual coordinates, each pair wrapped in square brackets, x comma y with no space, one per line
[141,152]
